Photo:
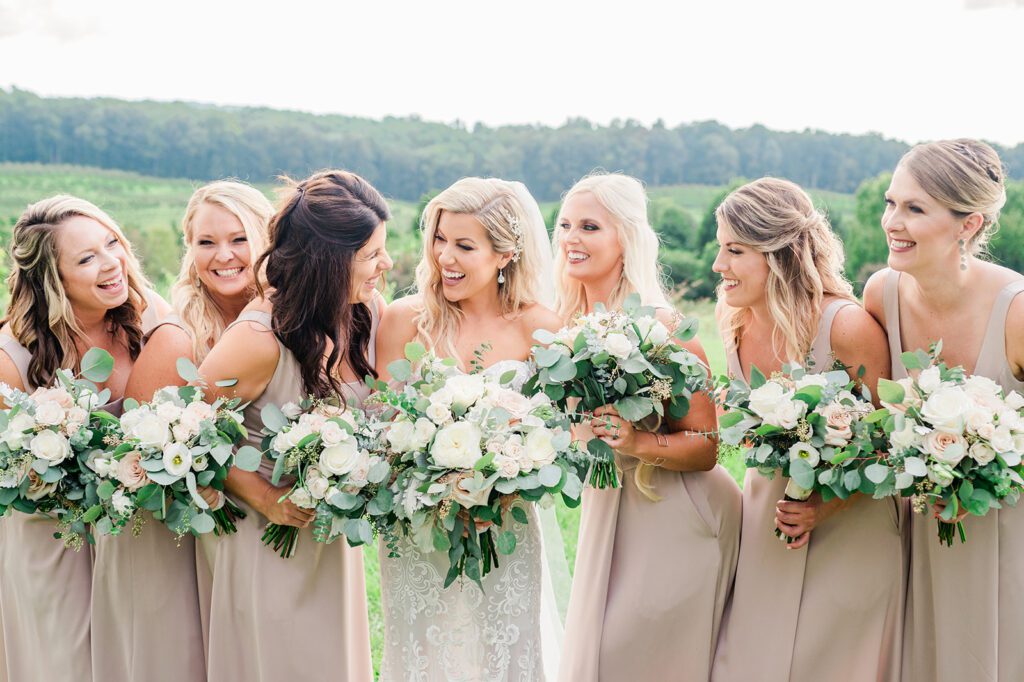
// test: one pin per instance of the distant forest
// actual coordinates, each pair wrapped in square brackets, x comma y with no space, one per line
[408,157]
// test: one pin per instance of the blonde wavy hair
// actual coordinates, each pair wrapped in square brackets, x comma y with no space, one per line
[625,199]
[40,314]
[509,223]
[805,261]
[189,298]
[966,176]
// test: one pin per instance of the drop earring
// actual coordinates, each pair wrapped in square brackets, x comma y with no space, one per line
[963,255]
[501,276]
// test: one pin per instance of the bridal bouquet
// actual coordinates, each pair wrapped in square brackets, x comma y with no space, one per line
[159,453]
[41,437]
[626,359]
[327,449]
[466,449]
[811,427]
[952,438]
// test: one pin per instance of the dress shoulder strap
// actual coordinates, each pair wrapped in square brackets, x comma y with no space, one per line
[821,349]
[19,355]
[258,316]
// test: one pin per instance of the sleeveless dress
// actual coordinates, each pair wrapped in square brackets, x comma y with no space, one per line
[145,603]
[829,611]
[965,610]
[651,578]
[280,620]
[45,589]
[463,634]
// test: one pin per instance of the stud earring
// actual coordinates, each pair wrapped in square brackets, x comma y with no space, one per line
[963,255]
[501,276]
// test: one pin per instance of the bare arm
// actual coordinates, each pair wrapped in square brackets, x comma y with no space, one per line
[397,328]
[156,365]
[9,373]
[858,340]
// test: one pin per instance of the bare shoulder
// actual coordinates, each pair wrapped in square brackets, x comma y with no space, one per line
[874,295]
[539,316]
[399,317]
[855,333]
[168,340]
[9,373]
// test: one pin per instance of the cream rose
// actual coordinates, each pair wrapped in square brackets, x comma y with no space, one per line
[130,473]
[618,346]
[982,453]
[465,389]
[946,408]
[929,380]
[401,435]
[19,430]
[939,445]
[49,413]
[300,497]
[466,498]
[332,433]
[539,447]
[151,431]
[1014,400]
[340,459]
[56,394]
[439,413]
[457,446]
[507,467]
[169,412]
[318,488]
[51,446]
[423,431]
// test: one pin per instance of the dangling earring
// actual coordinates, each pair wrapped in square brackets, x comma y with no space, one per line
[501,276]
[963,255]
[196,283]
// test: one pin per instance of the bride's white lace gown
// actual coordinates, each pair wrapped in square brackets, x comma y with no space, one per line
[463,634]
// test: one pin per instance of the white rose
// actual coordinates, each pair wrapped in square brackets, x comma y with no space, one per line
[977,417]
[332,433]
[1002,439]
[466,389]
[457,446]
[539,447]
[785,414]
[442,396]
[300,497]
[439,413]
[945,409]
[929,380]
[810,380]
[122,503]
[76,417]
[982,453]
[361,471]
[618,346]
[401,436]
[513,402]
[291,410]
[1014,400]
[49,413]
[423,431]
[19,430]
[340,459]
[906,438]
[151,431]
[169,412]
[765,398]
[182,432]
[177,459]
[507,467]
[940,474]
[51,446]
[806,452]
[318,488]
[939,445]
[1010,419]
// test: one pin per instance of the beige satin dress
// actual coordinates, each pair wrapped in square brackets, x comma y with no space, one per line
[965,609]
[272,619]
[832,610]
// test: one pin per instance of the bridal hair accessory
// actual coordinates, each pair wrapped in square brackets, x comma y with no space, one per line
[517,233]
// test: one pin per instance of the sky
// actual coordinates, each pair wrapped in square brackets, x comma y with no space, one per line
[908,69]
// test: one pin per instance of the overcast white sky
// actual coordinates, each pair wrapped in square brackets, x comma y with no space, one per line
[910,69]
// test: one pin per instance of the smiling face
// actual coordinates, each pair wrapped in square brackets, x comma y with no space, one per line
[465,256]
[368,265]
[93,265]
[223,257]
[589,239]
[744,270]
[921,232]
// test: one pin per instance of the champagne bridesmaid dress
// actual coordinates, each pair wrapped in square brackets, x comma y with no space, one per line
[831,610]
[145,604]
[965,610]
[275,619]
[45,589]
[651,578]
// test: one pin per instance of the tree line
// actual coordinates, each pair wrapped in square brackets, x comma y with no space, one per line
[407,157]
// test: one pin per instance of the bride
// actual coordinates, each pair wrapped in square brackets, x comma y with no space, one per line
[485,261]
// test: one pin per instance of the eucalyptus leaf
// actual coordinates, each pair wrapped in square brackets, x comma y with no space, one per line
[273,418]
[97,365]
[187,369]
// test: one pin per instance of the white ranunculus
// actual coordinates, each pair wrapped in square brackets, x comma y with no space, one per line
[982,453]
[177,459]
[199,411]
[122,503]
[939,444]
[618,346]
[439,413]
[929,380]
[51,446]
[946,408]
[332,433]
[401,436]
[169,412]
[423,431]
[104,468]
[539,447]
[457,446]
[465,389]
[340,459]
[182,433]
[804,451]
[318,488]
[19,430]
[49,413]
[300,497]
[151,431]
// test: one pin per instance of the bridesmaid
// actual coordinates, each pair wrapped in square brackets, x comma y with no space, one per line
[965,610]
[225,229]
[74,284]
[311,333]
[829,605]
[485,263]
[656,556]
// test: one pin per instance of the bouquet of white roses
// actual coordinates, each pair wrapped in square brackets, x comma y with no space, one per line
[161,453]
[41,436]
[465,448]
[952,438]
[811,427]
[628,360]
[327,449]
